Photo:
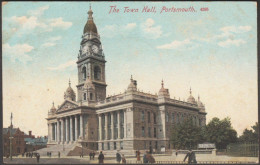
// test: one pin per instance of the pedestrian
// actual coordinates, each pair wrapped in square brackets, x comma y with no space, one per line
[59,154]
[138,155]
[80,154]
[145,157]
[38,157]
[93,155]
[150,158]
[50,154]
[101,158]
[118,157]
[191,157]
[176,152]
[123,159]
[90,155]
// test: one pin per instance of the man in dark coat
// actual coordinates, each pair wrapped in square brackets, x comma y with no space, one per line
[191,157]
[93,155]
[118,157]
[38,157]
[101,158]
[90,155]
[145,160]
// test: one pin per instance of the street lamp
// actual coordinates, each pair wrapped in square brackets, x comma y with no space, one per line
[11,157]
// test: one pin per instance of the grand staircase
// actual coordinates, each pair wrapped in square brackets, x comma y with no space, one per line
[54,149]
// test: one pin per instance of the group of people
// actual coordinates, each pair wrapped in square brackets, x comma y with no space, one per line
[30,154]
[49,154]
[148,158]
[92,155]
[120,158]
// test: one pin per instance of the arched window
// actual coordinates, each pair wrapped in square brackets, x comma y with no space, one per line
[91,96]
[85,96]
[97,73]
[84,73]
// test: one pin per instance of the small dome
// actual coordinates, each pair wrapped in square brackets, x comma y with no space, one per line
[53,109]
[131,86]
[191,99]
[90,25]
[70,94]
[163,91]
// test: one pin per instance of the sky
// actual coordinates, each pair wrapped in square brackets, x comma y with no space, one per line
[213,52]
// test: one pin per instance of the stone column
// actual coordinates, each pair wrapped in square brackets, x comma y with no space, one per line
[61,130]
[67,129]
[58,131]
[55,131]
[112,126]
[76,127]
[81,125]
[118,124]
[106,126]
[71,129]
[100,127]
[125,130]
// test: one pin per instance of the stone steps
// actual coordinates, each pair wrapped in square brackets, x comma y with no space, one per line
[55,149]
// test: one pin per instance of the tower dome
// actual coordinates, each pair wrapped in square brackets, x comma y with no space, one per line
[90,25]
[163,91]
[53,109]
[70,94]
[132,85]
[191,99]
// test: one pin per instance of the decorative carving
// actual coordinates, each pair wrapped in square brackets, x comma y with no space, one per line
[67,105]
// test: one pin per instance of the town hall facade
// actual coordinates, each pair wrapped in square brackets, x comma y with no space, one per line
[129,121]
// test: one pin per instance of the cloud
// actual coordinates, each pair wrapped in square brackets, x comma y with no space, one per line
[230,42]
[112,30]
[51,41]
[177,45]
[234,29]
[64,66]
[59,23]
[150,30]
[39,11]
[33,21]
[18,52]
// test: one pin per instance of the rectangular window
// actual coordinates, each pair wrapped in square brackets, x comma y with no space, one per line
[172,118]
[143,132]
[149,131]
[102,146]
[108,146]
[121,145]
[154,132]
[142,115]
[114,145]
[149,117]
[154,118]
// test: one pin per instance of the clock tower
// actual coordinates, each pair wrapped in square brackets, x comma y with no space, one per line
[91,65]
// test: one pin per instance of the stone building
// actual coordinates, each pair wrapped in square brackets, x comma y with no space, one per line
[132,120]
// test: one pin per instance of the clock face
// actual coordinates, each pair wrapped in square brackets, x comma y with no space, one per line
[84,49]
[95,49]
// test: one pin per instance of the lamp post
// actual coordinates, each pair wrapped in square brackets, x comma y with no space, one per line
[11,157]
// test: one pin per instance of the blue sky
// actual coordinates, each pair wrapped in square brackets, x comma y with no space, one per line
[213,52]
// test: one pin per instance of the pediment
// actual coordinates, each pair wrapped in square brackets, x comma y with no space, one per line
[67,104]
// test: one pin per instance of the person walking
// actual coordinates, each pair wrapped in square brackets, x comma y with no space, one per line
[138,155]
[101,158]
[123,159]
[59,154]
[90,155]
[38,157]
[176,152]
[93,155]
[118,157]
[191,157]
[145,157]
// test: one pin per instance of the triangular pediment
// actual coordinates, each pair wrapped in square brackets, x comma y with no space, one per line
[67,104]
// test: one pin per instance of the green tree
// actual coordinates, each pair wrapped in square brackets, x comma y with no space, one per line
[186,135]
[220,132]
[250,135]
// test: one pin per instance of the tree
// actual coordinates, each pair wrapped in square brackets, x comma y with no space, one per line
[220,132]
[186,135]
[250,135]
